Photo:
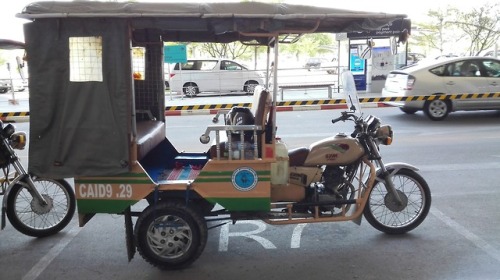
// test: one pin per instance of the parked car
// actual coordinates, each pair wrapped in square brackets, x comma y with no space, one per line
[5,81]
[446,76]
[491,53]
[412,58]
[321,63]
[213,75]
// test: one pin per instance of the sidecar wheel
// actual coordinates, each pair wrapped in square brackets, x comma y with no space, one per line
[170,235]
[384,214]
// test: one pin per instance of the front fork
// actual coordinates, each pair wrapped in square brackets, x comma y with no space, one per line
[388,183]
[385,173]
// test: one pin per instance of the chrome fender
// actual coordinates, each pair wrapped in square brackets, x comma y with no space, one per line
[394,167]
[5,198]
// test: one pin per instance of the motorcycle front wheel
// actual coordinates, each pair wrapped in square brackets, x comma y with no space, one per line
[30,217]
[385,214]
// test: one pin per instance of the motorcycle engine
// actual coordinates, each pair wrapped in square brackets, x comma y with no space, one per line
[331,190]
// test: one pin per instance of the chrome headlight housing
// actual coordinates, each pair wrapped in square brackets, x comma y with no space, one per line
[384,135]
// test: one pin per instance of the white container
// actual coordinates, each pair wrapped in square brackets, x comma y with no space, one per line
[279,169]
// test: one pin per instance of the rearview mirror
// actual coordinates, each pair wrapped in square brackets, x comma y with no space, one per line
[394,46]
[367,52]
[403,36]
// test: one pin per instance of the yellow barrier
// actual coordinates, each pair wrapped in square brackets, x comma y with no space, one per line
[339,101]
[24,116]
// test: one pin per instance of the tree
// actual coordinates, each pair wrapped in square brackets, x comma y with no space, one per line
[481,26]
[438,31]
[309,44]
[232,50]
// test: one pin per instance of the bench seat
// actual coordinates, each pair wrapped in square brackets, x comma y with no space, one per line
[149,135]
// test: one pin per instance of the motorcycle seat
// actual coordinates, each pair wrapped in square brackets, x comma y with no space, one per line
[298,156]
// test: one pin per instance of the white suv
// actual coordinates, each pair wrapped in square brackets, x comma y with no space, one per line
[213,75]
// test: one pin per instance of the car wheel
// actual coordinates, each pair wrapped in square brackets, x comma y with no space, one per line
[249,87]
[191,89]
[437,110]
[408,111]
[3,90]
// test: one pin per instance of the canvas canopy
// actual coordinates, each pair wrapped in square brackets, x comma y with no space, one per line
[217,22]
[6,44]
[85,127]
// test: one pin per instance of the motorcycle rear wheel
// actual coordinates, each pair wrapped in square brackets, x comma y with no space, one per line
[29,217]
[384,214]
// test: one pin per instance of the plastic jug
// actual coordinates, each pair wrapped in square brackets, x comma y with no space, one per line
[279,169]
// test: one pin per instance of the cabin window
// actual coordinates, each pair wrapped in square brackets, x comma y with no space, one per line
[85,59]
[139,62]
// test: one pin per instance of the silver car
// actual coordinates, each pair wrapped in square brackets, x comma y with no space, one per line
[447,76]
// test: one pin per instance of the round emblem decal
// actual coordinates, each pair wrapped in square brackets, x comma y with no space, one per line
[244,179]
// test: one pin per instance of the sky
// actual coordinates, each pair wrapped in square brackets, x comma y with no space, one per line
[12,26]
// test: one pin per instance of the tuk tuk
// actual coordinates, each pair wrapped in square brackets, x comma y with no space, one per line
[97,114]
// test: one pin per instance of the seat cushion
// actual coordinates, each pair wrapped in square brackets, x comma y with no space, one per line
[149,135]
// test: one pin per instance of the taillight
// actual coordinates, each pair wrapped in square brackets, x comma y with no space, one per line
[410,81]
[171,76]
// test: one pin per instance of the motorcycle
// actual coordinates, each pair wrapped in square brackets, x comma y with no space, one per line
[335,173]
[35,206]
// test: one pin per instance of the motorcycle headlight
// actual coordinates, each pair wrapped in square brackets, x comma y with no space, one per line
[8,130]
[384,135]
[18,140]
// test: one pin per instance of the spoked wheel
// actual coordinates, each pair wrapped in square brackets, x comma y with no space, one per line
[170,235]
[33,218]
[385,214]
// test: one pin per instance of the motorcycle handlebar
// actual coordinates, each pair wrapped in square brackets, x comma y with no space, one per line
[344,116]
[341,118]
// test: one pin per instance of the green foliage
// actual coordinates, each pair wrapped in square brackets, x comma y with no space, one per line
[309,44]
[3,60]
[481,26]
[434,33]
[478,29]
[234,50]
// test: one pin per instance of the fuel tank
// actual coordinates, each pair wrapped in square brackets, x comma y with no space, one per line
[337,150]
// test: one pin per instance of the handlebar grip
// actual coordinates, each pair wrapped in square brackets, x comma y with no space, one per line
[341,118]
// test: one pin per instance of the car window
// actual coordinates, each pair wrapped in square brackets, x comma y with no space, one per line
[463,68]
[229,65]
[491,68]
[439,71]
[469,69]
[190,65]
[197,65]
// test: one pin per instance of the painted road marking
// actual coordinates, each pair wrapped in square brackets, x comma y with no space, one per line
[225,234]
[296,236]
[44,262]
[476,240]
